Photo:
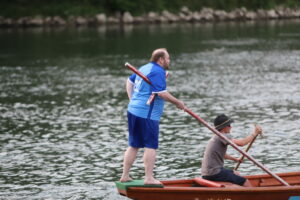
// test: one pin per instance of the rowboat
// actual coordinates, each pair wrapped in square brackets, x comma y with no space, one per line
[284,186]
[265,187]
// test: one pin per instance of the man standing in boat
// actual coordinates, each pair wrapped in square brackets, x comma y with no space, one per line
[215,152]
[143,119]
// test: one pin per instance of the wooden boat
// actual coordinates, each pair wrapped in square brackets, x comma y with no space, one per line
[265,187]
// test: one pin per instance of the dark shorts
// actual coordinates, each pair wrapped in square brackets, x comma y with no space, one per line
[142,132]
[226,175]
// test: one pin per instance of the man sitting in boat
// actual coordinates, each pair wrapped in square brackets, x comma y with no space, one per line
[215,152]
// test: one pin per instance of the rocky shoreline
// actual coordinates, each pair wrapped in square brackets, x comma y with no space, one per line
[185,15]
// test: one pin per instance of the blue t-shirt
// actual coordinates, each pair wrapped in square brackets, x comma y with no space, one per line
[142,91]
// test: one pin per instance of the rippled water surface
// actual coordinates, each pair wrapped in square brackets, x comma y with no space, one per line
[63,103]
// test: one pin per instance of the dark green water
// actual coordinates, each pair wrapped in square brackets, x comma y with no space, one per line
[63,103]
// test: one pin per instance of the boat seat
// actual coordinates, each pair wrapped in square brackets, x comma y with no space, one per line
[207,183]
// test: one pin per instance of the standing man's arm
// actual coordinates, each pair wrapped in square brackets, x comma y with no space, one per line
[170,98]
[129,88]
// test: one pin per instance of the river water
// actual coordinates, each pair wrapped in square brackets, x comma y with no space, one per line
[63,103]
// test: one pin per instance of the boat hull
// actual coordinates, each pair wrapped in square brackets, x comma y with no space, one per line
[264,187]
[212,194]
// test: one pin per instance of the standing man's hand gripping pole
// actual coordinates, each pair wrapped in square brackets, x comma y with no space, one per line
[170,98]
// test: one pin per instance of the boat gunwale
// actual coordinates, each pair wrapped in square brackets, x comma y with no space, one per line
[282,175]
[211,189]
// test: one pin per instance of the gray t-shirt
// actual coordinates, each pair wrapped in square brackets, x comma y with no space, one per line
[213,159]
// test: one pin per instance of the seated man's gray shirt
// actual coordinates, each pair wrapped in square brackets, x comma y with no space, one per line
[213,159]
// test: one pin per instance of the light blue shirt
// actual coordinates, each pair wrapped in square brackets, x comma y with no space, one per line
[142,91]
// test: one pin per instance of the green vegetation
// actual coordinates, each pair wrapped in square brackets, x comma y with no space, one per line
[65,8]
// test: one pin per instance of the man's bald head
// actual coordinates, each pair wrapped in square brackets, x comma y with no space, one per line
[161,56]
[158,53]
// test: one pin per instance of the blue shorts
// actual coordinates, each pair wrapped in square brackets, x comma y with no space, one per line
[142,132]
[226,175]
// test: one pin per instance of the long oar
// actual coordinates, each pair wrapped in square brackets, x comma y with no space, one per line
[215,131]
[247,149]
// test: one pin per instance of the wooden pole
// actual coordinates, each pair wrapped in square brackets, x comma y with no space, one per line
[216,131]
[242,156]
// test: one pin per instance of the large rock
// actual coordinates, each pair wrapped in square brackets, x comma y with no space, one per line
[220,15]
[207,14]
[185,10]
[238,14]
[81,21]
[288,13]
[185,18]
[127,18]
[8,22]
[139,19]
[57,20]
[262,14]
[113,20]
[283,12]
[271,14]
[297,13]
[36,21]
[280,11]
[196,17]
[163,19]
[101,18]
[48,21]
[250,15]
[153,17]
[185,14]
[22,21]
[170,16]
